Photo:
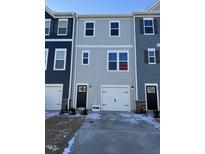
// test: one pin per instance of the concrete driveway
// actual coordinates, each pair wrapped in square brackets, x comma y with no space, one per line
[116,133]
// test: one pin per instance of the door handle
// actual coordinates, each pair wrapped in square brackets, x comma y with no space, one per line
[115,100]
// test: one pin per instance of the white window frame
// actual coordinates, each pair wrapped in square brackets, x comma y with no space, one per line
[64,66]
[110,28]
[61,27]
[85,51]
[148,26]
[118,60]
[46,57]
[85,22]
[49,26]
[151,50]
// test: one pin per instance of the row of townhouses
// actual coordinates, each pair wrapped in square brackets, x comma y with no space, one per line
[106,61]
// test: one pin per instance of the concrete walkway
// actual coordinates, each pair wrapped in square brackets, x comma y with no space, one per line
[111,134]
[49,114]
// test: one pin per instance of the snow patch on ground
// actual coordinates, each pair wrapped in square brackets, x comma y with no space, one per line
[67,150]
[50,114]
[93,116]
[135,118]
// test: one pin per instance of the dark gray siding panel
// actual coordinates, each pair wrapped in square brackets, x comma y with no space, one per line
[54,27]
[146,73]
[56,77]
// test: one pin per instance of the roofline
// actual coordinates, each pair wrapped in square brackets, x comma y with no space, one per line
[104,16]
[152,6]
[55,14]
[146,13]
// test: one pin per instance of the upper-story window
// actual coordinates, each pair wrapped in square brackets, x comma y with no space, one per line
[89,28]
[62,26]
[114,28]
[60,59]
[46,58]
[148,26]
[85,57]
[151,56]
[47,26]
[118,61]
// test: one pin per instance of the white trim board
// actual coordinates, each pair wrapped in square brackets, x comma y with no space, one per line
[58,40]
[104,46]
[151,84]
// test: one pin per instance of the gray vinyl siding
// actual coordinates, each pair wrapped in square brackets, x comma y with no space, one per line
[102,33]
[96,73]
[146,73]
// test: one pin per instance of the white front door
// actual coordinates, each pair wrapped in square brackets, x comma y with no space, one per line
[115,99]
[53,97]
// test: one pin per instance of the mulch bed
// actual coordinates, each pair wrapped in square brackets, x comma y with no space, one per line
[58,131]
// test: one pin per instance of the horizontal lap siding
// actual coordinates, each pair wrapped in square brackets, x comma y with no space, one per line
[146,73]
[57,77]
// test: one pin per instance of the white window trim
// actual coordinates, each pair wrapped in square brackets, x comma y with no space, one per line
[148,26]
[118,60]
[64,66]
[47,51]
[59,27]
[157,90]
[85,51]
[49,27]
[93,28]
[150,50]
[110,28]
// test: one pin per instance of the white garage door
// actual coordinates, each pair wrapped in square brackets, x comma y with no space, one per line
[53,97]
[115,99]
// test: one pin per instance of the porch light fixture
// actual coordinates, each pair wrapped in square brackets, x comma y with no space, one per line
[132,87]
[90,87]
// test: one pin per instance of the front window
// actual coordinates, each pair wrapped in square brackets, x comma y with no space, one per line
[47,26]
[148,26]
[114,28]
[85,57]
[62,26]
[89,28]
[151,56]
[60,59]
[118,61]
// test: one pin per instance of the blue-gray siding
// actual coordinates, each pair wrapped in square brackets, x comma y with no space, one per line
[146,73]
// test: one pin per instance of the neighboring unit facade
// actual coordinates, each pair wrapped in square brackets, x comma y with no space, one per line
[104,63]
[147,44]
[59,29]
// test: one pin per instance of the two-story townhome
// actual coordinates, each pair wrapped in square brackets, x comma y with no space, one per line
[59,35]
[147,48]
[104,68]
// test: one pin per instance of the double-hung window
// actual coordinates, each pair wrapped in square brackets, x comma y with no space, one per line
[47,26]
[62,26]
[46,58]
[85,57]
[148,26]
[114,28]
[151,56]
[117,60]
[89,28]
[60,59]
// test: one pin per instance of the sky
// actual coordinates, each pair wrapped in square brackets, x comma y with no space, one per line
[99,6]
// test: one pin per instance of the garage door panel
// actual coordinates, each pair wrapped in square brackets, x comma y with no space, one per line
[115,99]
[53,97]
